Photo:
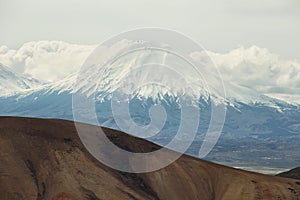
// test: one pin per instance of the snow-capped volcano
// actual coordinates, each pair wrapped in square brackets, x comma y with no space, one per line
[150,77]
[154,74]
[134,77]
[146,73]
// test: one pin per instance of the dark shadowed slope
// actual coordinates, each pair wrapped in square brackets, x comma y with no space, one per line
[294,173]
[44,159]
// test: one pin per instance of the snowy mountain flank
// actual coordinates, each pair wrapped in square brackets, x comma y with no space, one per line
[12,83]
[261,126]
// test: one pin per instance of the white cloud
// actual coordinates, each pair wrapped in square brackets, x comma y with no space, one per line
[253,67]
[45,60]
[259,69]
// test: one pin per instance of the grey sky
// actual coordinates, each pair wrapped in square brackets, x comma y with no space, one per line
[218,25]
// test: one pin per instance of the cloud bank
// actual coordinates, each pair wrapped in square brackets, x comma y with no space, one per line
[259,69]
[253,67]
[45,60]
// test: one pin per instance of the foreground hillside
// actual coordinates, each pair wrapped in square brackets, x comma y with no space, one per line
[44,159]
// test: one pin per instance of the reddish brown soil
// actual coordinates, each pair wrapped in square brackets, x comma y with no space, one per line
[44,159]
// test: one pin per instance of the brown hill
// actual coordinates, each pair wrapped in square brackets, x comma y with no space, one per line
[44,159]
[294,173]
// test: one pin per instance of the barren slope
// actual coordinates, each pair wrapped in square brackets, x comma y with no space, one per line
[44,159]
[294,173]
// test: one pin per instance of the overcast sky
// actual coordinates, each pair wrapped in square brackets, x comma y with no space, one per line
[218,25]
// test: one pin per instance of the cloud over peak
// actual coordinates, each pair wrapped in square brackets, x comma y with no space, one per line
[259,69]
[45,60]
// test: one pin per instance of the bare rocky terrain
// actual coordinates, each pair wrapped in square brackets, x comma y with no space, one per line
[45,159]
[294,173]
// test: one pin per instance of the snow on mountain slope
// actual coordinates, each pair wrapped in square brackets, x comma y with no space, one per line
[288,98]
[137,75]
[136,78]
[12,83]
